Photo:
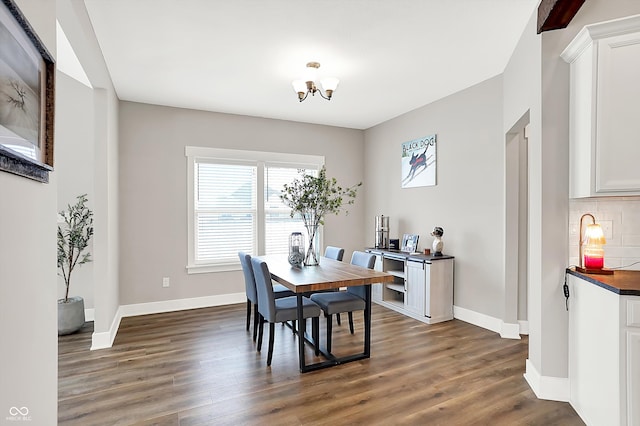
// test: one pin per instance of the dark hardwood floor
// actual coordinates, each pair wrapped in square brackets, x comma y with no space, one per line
[200,367]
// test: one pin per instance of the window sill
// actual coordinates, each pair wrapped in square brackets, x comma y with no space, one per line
[206,269]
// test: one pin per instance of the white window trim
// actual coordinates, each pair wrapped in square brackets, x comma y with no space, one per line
[258,158]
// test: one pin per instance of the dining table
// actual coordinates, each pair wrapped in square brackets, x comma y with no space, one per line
[328,274]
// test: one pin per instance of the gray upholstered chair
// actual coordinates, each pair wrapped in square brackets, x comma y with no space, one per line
[345,301]
[335,253]
[279,291]
[275,310]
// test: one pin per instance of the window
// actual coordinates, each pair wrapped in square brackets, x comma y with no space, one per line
[278,221]
[234,204]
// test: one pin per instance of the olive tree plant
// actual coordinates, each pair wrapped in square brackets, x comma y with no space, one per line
[73,239]
[313,198]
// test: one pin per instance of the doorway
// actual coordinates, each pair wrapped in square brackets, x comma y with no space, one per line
[515,319]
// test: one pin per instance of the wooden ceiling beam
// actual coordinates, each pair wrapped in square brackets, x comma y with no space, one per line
[556,14]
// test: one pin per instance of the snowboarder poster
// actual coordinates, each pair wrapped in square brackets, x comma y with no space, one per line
[419,162]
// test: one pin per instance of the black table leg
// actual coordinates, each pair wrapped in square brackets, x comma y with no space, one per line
[301,332]
[331,360]
[367,321]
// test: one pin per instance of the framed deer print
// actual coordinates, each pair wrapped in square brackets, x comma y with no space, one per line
[27,79]
[419,162]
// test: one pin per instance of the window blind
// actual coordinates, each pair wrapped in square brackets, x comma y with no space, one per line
[278,222]
[225,211]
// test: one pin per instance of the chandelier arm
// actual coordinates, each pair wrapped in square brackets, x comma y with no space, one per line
[323,96]
[305,97]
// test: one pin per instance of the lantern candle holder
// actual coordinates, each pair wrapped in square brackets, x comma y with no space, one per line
[591,249]
[296,248]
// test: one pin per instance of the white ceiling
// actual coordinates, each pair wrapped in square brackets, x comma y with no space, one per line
[240,56]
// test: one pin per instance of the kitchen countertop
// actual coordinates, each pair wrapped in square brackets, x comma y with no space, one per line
[624,283]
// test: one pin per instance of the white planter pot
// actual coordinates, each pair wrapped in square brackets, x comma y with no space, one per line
[70,315]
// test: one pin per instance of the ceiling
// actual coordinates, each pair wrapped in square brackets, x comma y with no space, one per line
[240,56]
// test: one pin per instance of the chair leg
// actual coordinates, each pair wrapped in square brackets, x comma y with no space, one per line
[272,330]
[329,330]
[248,313]
[351,322]
[293,327]
[256,320]
[315,324]
[261,327]
[338,318]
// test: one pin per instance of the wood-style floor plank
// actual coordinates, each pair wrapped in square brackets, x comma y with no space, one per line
[200,367]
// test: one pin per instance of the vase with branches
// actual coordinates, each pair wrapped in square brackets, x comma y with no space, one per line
[312,198]
[73,239]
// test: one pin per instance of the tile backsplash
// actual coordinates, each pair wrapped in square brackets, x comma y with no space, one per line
[620,220]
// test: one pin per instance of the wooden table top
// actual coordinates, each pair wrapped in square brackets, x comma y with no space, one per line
[328,274]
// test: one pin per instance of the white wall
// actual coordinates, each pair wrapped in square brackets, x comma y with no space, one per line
[74,166]
[153,185]
[522,101]
[468,200]
[101,110]
[28,284]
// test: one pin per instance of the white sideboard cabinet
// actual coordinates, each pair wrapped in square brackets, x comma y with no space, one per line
[604,129]
[423,286]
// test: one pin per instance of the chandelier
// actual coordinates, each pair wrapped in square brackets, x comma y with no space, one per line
[307,84]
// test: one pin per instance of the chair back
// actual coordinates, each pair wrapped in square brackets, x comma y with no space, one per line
[366,260]
[334,253]
[249,280]
[264,287]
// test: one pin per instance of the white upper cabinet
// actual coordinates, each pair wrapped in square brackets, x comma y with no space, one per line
[605,109]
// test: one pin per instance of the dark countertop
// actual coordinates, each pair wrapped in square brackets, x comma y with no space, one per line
[409,256]
[624,283]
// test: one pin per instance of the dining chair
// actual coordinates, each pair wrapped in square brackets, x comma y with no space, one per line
[353,299]
[336,253]
[279,291]
[274,310]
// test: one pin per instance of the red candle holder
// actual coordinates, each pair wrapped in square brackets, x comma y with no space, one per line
[593,262]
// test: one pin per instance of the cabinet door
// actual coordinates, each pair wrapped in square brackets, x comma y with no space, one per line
[633,377]
[415,282]
[618,109]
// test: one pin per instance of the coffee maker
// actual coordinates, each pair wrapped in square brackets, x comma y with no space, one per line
[382,231]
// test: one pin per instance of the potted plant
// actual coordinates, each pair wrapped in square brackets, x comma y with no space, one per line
[73,240]
[312,198]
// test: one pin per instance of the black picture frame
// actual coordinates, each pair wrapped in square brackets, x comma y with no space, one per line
[27,98]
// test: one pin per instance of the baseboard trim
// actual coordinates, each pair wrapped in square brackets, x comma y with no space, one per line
[504,329]
[478,319]
[509,331]
[105,339]
[547,387]
[181,304]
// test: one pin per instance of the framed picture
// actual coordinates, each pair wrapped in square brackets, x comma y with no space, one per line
[419,162]
[27,89]
[410,242]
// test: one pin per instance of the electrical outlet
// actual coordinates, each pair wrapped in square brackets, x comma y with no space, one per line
[165,282]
